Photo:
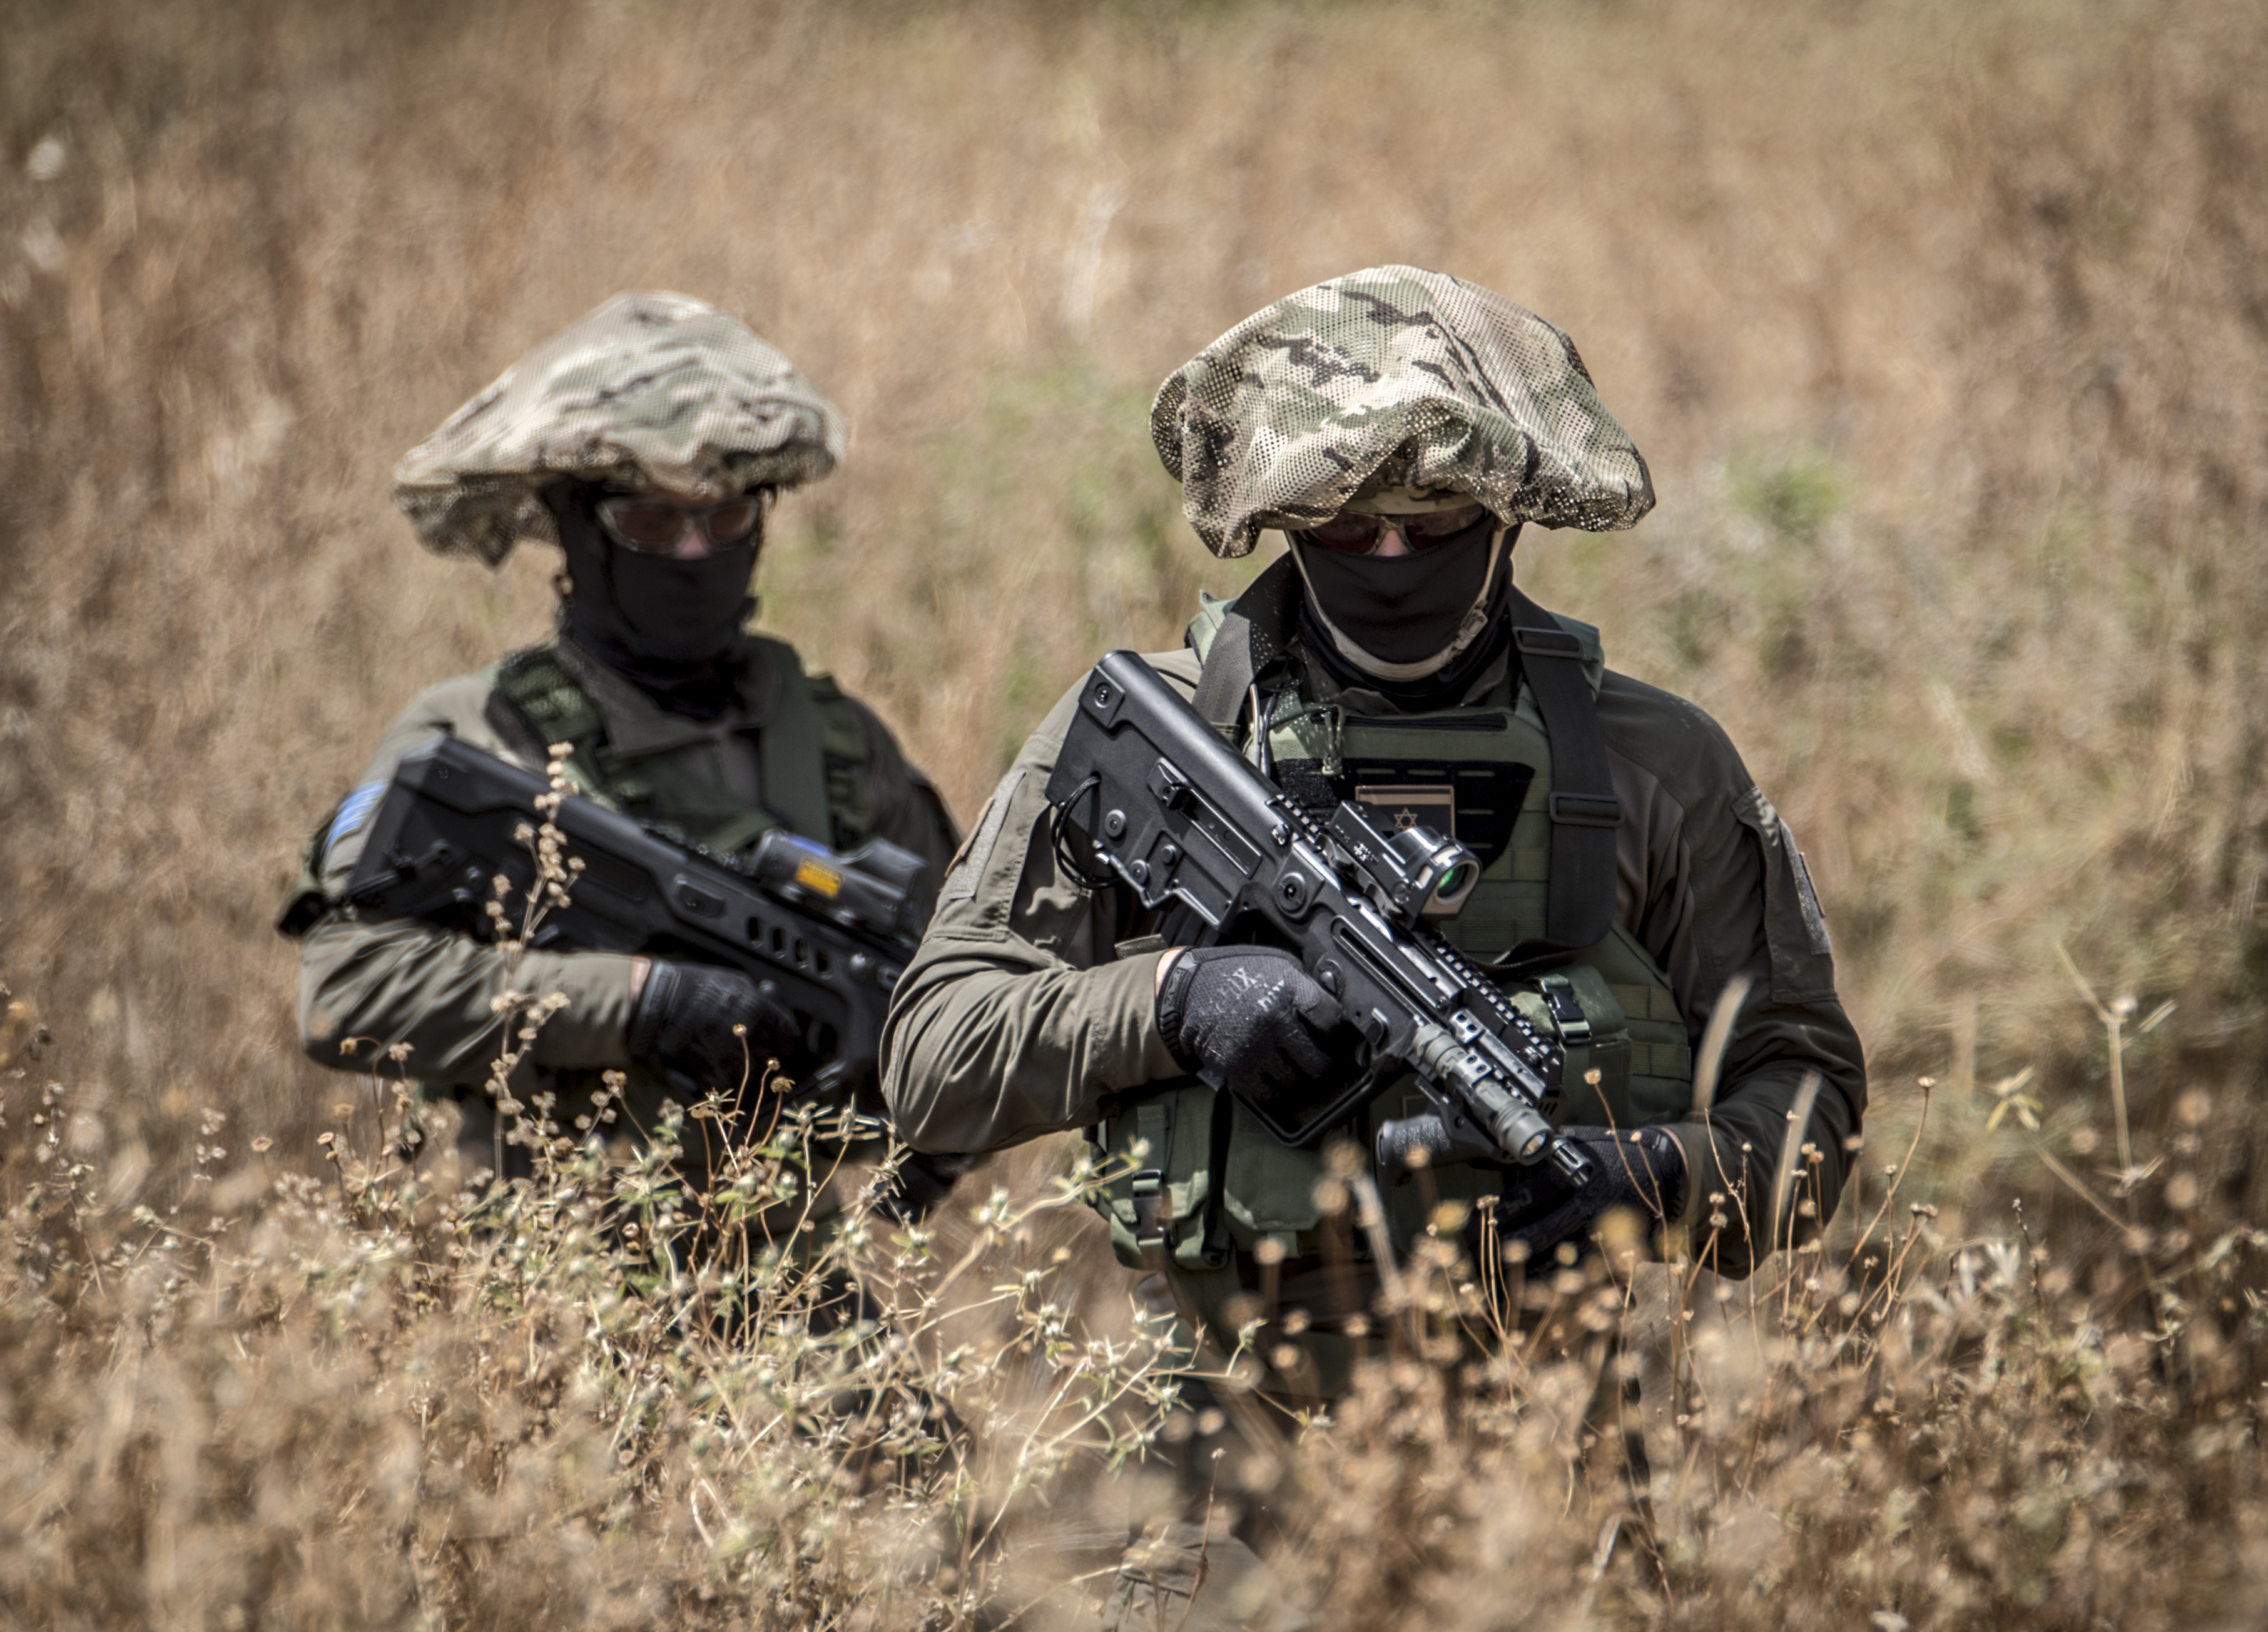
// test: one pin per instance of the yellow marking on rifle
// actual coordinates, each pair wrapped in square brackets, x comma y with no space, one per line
[812,876]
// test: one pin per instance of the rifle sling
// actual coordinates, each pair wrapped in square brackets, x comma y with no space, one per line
[1253,634]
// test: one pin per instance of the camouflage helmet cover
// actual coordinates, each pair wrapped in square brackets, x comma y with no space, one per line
[648,391]
[1399,377]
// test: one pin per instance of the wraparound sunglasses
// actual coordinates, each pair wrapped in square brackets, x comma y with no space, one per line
[653,528]
[1360,535]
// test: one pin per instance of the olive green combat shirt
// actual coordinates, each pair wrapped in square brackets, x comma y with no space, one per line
[1016,1018]
[403,980]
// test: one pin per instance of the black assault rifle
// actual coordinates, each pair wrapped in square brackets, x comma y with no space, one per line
[1146,787]
[831,933]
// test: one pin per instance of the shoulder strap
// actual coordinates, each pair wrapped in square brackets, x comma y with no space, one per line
[794,742]
[848,756]
[1253,634]
[1580,902]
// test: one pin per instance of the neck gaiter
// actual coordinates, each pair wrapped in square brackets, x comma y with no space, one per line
[671,627]
[1443,688]
[1407,617]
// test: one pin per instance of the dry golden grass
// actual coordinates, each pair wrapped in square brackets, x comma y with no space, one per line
[375,1399]
[1946,329]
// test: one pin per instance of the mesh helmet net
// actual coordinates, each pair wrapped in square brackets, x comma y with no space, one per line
[648,391]
[1393,376]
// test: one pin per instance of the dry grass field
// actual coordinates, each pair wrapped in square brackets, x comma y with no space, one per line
[1946,331]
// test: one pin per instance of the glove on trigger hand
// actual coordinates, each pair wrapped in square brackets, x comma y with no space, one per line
[1247,1019]
[683,1024]
[1642,1169]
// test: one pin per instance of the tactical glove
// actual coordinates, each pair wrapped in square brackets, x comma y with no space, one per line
[1642,1169]
[1247,1019]
[683,1022]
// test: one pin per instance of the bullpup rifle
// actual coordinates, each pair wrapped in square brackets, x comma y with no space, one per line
[1146,791]
[829,932]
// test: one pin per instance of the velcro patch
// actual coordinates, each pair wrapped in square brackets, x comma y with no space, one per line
[975,853]
[355,809]
[1814,922]
[1413,804]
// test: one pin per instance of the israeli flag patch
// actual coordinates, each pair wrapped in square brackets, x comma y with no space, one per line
[355,810]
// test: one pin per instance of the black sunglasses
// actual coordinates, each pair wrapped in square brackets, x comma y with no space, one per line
[1360,535]
[653,528]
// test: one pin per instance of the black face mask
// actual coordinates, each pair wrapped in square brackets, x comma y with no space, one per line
[1401,608]
[672,628]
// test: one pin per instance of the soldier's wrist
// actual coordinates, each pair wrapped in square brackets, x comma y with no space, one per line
[651,998]
[593,1029]
[1176,975]
[1698,1150]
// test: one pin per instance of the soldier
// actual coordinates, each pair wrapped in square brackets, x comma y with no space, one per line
[648,441]
[1399,427]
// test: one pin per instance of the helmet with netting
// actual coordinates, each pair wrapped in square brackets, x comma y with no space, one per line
[648,391]
[1392,377]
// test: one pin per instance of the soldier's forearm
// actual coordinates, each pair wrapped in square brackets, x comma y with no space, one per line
[1737,1154]
[980,1056]
[401,981]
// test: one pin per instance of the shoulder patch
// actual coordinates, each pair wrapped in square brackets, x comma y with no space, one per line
[975,853]
[1815,920]
[1795,928]
[355,810]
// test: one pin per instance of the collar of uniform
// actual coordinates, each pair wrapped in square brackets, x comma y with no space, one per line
[636,726]
[1317,685]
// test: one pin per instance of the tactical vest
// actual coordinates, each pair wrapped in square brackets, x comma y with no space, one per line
[812,763]
[1211,1181]
[811,754]
[812,758]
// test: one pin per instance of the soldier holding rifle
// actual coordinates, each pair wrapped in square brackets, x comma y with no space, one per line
[649,442]
[1400,428]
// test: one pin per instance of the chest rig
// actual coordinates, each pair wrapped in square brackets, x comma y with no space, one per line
[1519,776]
[811,754]
[812,762]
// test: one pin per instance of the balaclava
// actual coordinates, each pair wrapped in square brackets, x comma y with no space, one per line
[671,627]
[1417,627]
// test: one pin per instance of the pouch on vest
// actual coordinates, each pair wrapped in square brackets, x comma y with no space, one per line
[1267,1188]
[1574,1005]
[1162,1206]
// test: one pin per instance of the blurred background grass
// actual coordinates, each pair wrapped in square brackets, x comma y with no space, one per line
[1945,328]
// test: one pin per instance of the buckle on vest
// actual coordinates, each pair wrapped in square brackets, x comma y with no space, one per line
[1566,1013]
[1153,1215]
[1587,810]
[1542,642]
